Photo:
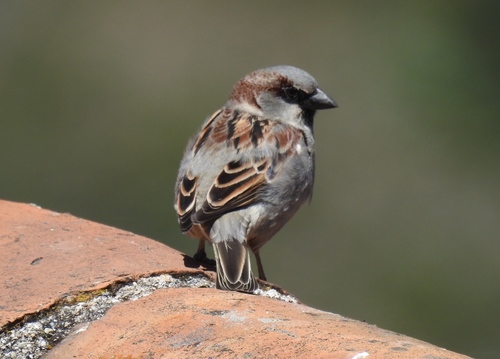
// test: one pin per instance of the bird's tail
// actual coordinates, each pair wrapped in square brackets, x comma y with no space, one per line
[233,266]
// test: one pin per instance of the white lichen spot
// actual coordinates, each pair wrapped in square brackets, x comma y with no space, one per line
[361,355]
[233,316]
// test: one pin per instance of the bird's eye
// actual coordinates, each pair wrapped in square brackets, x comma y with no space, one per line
[293,94]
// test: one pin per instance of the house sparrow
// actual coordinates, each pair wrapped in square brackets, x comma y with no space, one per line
[249,169]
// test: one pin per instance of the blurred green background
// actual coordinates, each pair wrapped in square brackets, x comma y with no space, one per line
[98,99]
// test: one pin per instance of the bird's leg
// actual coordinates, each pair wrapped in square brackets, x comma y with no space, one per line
[260,268]
[201,255]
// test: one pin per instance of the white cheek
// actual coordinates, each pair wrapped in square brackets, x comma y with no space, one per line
[246,107]
[298,148]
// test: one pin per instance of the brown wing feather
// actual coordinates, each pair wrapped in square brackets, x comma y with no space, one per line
[234,188]
[239,183]
[186,201]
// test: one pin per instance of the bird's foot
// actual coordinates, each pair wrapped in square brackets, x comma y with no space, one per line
[201,256]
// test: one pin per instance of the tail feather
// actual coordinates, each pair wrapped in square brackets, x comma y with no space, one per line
[234,271]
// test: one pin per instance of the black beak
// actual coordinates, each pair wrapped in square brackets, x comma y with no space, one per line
[318,101]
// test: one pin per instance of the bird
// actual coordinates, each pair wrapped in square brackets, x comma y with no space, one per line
[249,169]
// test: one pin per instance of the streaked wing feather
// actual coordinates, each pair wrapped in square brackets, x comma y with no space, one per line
[186,201]
[235,187]
[239,182]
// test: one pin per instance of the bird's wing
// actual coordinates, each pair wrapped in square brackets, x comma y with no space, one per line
[261,147]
